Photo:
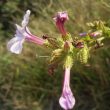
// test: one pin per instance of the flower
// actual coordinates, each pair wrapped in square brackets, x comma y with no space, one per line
[15,45]
[60,19]
[96,33]
[93,34]
[67,100]
[83,34]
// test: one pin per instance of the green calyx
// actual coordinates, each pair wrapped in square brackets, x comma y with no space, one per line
[83,54]
[68,61]
[63,54]
[69,56]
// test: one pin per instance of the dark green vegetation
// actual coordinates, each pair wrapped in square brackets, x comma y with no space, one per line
[24,81]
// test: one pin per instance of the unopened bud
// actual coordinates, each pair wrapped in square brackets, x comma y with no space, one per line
[66,46]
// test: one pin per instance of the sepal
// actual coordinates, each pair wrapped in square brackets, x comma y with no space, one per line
[68,61]
[83,54]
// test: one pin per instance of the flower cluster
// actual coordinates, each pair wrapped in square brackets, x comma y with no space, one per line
[67,49]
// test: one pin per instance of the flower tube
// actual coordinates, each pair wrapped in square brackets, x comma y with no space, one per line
[60,19]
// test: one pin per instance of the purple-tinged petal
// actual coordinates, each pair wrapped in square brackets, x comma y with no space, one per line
[62,16]
[15,45]
[67,100]
[20,32]
[26,18]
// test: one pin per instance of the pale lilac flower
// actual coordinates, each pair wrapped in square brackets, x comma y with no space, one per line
[83,34]
[95,34]
[22,33]
[67,100]
[60,19]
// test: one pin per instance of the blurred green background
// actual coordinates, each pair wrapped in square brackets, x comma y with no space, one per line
[24,81]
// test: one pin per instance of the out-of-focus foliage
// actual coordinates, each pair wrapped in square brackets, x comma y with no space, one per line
[24,81]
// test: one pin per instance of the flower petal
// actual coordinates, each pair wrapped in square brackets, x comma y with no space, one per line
[15,45]
[67,100]
[26,18]
[62,16]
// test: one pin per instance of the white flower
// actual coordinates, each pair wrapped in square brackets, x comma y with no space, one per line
[15,44]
